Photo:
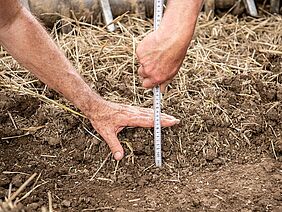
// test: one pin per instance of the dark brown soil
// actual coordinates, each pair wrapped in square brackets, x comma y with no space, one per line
[211,169]
[225,155]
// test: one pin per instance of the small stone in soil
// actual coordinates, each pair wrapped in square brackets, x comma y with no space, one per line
[17,180]
[211,154]
[217,161]
[53,141]
[66,203]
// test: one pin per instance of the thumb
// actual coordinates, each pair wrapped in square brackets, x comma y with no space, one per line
[147,83]
[114,144]
[141,72]
[164,85]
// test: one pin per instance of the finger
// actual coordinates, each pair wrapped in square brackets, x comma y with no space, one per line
[150,112]
[140,111]
[114,144]
[164,85]
[141,72]
[147,83]
[148,121]
[168,122]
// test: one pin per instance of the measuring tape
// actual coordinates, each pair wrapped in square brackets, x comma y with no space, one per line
[158,14]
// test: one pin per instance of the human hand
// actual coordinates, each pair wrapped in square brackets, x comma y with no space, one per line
[111,118]
[160,58]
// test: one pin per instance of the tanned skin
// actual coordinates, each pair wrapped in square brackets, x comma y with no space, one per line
[162,52]
[29,43]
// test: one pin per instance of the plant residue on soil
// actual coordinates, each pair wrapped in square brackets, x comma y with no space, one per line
[225,155]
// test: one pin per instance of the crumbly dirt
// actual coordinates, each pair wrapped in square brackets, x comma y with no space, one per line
[225,155]
[199,176]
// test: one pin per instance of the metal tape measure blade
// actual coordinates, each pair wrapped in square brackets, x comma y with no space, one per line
[157,126]
[158,13]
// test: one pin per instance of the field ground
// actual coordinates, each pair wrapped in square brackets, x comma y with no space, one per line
[225,155]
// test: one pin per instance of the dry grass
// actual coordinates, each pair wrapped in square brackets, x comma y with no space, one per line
[12,201]
[231,67]
[221,48]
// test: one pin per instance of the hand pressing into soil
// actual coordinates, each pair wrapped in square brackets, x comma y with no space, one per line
[111,118]
[162,52]
[22,33]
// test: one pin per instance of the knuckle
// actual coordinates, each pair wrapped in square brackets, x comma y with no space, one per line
[147,71]
[141,68]
[146,85]
[159,79]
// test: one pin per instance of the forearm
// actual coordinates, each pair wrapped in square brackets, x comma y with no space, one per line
[27,41]
[180,19]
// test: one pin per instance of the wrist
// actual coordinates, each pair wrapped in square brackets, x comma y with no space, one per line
[92,105]
[9,12]
[74,88]
[180,19]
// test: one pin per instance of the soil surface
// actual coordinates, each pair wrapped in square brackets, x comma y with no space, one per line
[199,176]
[225,155]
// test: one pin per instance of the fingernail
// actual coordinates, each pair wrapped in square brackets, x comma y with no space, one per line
[177,121]
[118,156]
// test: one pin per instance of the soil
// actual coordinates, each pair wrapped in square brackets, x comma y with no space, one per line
[208,171]
[225,155]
